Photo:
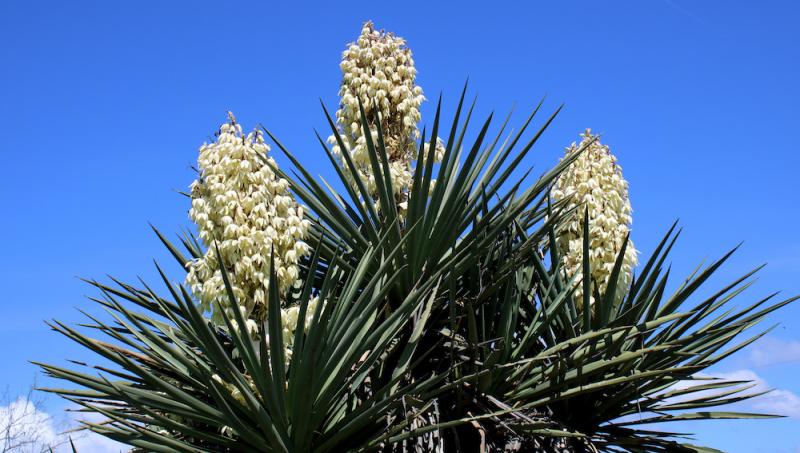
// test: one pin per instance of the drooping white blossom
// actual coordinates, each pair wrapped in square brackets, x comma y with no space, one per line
[290,320]
[290,317]
[594,181]
[378,69]
[243,208]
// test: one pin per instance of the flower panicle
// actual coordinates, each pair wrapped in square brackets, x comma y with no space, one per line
[593,183]
[378,70]
[246,211]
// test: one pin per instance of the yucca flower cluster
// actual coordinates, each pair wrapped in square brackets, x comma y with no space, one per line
[378,69]
[245,210]
[594,181]
[290,317]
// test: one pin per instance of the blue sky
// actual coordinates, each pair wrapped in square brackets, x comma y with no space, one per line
[104,105]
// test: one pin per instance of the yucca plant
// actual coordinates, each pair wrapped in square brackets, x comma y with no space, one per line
[437,302]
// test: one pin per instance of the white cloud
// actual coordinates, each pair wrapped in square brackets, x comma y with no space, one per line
[772,350]
[740,375]
[27,428]
[89,442]
[776,402]
[95,443]
[24,426]
[779,402]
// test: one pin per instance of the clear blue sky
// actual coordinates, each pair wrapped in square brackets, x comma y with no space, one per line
[104,104]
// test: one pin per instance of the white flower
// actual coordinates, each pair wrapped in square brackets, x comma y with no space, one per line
[289,321]
[379,70]
[594,181]
[243,208]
